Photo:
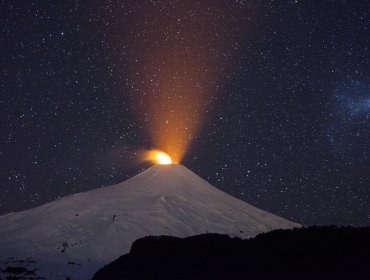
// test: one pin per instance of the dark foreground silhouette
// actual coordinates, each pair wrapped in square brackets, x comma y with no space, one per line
[305,253]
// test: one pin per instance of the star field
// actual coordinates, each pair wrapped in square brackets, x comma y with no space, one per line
[286,122]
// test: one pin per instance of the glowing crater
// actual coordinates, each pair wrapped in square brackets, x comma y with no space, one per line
[158,157]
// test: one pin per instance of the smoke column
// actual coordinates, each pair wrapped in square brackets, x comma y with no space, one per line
[178,53]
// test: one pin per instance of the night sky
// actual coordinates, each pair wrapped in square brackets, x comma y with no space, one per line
[275,96]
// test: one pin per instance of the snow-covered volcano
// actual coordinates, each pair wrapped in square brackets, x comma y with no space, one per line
[76,235]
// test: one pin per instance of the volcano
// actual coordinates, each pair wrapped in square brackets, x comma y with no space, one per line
[76,235]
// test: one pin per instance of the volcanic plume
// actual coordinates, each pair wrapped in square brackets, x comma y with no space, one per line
[178,55]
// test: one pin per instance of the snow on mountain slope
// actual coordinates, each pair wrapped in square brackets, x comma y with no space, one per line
[82,232]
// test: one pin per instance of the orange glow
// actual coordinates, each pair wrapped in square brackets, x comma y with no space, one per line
[177,61]
[158,157]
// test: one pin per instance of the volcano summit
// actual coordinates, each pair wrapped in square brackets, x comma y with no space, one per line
[76,235]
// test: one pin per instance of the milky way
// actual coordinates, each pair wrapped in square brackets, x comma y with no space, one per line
[349,130]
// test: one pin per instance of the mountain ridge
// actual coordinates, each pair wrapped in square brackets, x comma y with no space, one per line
[318,252]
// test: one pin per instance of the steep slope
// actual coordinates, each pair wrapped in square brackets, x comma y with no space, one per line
[95,227]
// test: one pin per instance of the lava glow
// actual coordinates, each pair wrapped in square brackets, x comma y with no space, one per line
[158,157]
